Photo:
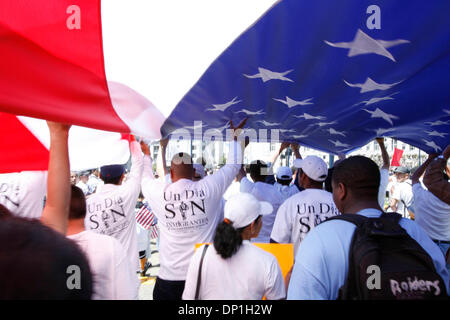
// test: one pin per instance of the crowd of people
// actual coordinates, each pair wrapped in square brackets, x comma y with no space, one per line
[83,238]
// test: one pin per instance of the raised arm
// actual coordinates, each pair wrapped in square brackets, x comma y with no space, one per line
[384,154]
[420,171]
[161,164]
[219,181]
[56,210]
[275,156]
[434,177]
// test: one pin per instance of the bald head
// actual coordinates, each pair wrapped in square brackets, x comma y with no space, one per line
[181,167]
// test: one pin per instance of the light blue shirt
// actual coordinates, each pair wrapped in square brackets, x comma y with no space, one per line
[322,259]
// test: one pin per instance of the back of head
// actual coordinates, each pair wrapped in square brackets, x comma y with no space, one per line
[181,167]
[59,271]
[284,176]
[258,171]
[112,174]
[360,175]
[77,204]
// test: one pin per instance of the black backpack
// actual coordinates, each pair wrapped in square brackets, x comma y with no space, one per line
[385,263]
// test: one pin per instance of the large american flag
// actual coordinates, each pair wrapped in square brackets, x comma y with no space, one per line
[331,75]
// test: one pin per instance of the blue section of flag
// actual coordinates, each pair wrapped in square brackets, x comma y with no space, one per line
[316,71]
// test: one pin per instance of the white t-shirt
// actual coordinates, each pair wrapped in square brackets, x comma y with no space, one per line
[249,274]
[403,191]
[112,275]
[110,210]
[23,193]
[232,190]
[384,181]
[286,191]
[432,214]
[264,192]
[187,211]
[84,187]
[301,213]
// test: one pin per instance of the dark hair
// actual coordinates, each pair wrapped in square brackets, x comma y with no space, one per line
[258,170]
[111,180]
[328,186]
[227,239]
[359,174]
[284,182]
[77,204]
[27,242]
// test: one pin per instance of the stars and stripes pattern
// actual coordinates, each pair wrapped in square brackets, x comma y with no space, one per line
[145,217]
[305,65]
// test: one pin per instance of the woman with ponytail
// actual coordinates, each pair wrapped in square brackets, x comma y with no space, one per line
[233,268]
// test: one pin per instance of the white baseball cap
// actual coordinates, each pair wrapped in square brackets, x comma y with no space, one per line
[243,208]
[284,173]
[313,166]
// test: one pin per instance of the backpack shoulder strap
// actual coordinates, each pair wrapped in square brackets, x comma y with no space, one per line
[356,219]
[199,277]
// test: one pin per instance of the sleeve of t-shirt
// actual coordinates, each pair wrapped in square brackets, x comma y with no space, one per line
[151,187]
[218,182]
[275,289]
[397,192]
[190,285]
[246,185]
[282,227]
[126,286]
[418,193]
[309,276]
[134,179]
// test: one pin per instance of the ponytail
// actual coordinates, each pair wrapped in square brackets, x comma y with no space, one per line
[227,239]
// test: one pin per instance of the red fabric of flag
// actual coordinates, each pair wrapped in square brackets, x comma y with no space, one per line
[396,157]
[51,64]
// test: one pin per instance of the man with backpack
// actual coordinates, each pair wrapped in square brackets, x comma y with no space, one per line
[345,257]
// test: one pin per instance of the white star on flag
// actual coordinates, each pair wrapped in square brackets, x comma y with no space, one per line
[323,124]
[300,136]
[364,44]
[437,123]
[375,100]
[292,103]
[251,113]
[378,113]
[339,144]
[433,145]
[267,75]
[223,107]
[332,131]
[436,134]
[307,116]
[371,85]
[381,131]
[269,124]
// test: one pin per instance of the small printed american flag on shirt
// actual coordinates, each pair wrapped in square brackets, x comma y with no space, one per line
[145,218]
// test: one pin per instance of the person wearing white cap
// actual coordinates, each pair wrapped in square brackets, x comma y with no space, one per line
[233,268]
[283,184]
[262,191]
[304,210]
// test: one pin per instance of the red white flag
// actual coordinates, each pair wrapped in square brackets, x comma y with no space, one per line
[396,157]
[52,68]
[145,218]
